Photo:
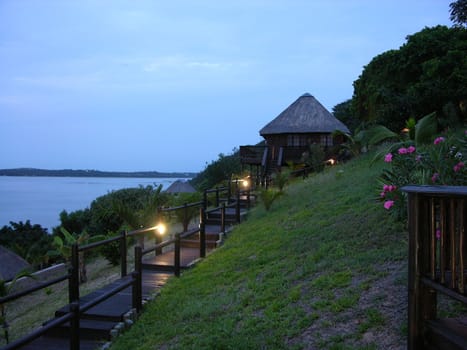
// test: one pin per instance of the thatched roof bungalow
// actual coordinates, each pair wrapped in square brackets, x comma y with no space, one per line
[305,122]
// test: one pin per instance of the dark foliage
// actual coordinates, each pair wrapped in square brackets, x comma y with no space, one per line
[428,73]
[345,113]
[218,170]
[459,12]
[31,242]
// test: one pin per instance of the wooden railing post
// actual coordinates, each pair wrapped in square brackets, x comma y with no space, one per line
[202,233]
[157,236]
[177,255]
[73,283]
[217,196]
[223,218]
[123,251]
[237,207]
[185,217]
[137,288]
[205,199]
[74,326]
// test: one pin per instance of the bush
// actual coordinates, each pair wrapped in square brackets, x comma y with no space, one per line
[440,163]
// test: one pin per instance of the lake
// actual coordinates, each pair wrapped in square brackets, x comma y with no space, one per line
[41,199]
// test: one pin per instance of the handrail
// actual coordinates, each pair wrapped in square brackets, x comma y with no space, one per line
[29,290]
[41,331]
[187,205]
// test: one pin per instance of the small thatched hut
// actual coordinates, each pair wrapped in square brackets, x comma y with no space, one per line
[180,187]
[11,264]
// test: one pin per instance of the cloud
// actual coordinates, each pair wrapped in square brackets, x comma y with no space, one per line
[178,62]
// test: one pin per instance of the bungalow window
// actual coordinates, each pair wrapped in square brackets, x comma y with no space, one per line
[326,140]
[293,140]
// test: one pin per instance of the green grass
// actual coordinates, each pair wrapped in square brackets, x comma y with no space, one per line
[311,272]
[306,274]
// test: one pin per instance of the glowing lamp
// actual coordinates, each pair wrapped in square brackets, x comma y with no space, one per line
[160,229]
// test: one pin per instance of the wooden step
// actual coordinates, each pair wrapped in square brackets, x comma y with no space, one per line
[194,243]
[111,310]
[446,334]
[88,329]
[52,343]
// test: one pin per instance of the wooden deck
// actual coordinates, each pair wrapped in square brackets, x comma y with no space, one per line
[105,320]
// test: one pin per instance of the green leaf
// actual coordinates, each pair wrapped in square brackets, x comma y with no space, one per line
[426,128]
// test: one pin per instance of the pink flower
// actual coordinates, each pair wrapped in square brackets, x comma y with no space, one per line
[438,140]
[411,149]
[458,166]
[435,177]
[388,158]
[382,194]
[389,188]
[418,158]
[438,233]
[402,150]
[388,204]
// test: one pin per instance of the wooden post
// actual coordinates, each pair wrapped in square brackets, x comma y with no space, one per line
[137,288]
[223,218]
[157,236]
[421,299]
[237,207]
[205,199]
[202,233]
[185,217]
[217,196]
[73,282]
[123,251]
[74,326]
[177,255]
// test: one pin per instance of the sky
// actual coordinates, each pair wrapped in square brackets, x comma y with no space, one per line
[124,85]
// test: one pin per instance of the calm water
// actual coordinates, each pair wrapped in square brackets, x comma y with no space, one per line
[41,199]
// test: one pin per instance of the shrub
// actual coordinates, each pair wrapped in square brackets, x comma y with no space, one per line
[268,196]
[440,163]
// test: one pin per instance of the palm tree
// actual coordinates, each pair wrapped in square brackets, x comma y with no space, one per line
[63,248]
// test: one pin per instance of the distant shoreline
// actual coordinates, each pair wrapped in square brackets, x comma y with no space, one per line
[92,173]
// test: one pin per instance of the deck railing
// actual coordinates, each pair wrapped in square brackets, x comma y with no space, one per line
[75,309]
[437,256]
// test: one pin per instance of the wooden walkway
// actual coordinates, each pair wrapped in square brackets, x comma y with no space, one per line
[107,319]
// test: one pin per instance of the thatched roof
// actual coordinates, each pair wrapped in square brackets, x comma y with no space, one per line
[11,264]
[305,115]
[180,187]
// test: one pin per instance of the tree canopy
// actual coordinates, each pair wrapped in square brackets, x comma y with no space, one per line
[426,74]
[459,12]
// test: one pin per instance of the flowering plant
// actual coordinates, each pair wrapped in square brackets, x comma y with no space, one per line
[443,162]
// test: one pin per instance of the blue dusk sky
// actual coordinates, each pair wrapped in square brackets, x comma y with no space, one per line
[169,85]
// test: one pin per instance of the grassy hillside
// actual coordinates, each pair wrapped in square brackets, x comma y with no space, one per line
[325,268]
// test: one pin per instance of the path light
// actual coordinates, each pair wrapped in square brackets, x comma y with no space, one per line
[160,229]
[330,161]
[245,183]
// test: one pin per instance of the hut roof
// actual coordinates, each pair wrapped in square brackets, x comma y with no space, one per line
[305,115]
[180,187]
[11,264]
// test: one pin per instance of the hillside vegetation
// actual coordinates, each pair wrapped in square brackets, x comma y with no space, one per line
[324,268]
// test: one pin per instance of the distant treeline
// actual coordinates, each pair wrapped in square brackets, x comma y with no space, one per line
[89,173]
